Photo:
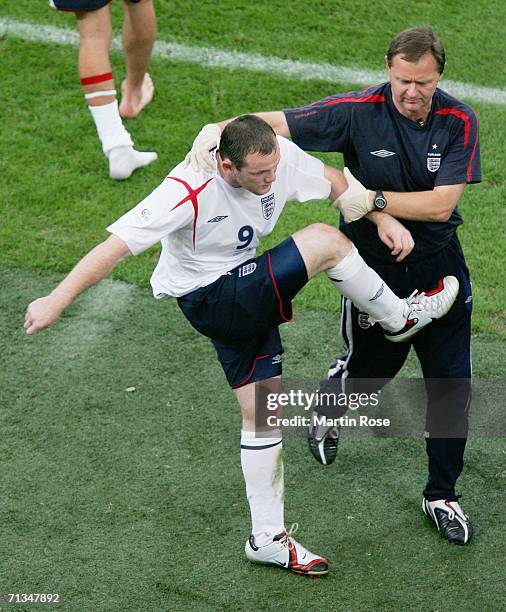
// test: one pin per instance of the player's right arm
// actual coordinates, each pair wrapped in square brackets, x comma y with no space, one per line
[92,268]
[200,155]
[157,216]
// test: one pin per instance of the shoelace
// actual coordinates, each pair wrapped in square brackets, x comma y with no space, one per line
[413,301]
[416,302]
[287,539]
[412,304]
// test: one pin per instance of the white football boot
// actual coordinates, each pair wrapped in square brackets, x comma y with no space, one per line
[422,308]
[285,552]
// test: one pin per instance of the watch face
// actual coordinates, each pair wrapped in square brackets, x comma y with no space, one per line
[380,202]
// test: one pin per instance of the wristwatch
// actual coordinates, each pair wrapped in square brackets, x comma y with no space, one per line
[379,201]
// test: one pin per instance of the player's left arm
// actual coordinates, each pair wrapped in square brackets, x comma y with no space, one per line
[337,180]
[307,177]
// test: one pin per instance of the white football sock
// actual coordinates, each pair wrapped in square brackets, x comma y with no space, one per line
[110,128]
[124,160]
[262,467]
[117,143]
[364,287]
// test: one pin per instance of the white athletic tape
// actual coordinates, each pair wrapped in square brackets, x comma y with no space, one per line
[97,94]
[235,60]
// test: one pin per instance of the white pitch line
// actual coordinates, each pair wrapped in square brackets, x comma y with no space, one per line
[221,58]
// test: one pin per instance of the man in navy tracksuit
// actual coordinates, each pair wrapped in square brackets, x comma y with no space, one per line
[416,147]
[412,148]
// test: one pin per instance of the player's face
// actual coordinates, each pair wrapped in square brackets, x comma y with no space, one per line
[413,85]
[258,172]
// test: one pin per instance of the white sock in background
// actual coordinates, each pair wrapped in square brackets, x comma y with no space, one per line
[124,160]
[117,143]
[364,287]
[262,467]
[110,128]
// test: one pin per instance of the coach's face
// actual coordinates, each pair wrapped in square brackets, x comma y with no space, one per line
[413,85]
[258,172]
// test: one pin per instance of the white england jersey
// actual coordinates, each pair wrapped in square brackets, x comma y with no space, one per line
[207,227]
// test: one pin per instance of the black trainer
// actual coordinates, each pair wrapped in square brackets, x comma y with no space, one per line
[450,520]
[323,440]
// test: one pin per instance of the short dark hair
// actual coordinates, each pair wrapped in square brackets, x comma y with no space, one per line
[414,43]
[244,135]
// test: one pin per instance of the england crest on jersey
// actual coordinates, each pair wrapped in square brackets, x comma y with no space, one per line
[433,161]
[268,205]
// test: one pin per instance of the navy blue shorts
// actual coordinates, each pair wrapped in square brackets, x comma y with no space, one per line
[81,6]
[241,312]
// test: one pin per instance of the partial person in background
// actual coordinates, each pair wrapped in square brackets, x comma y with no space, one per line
[95,72]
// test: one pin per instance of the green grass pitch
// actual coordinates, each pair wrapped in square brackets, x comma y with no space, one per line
[134,500]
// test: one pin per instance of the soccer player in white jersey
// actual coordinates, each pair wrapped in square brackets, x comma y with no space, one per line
[210,225]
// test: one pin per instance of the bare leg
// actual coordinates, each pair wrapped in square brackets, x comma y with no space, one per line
[321,246]
[139,34]
[95,71]
[247,398]
[325,248]
[95,32]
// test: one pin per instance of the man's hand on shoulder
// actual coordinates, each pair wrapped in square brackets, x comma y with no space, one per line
[356,201]
[200,157]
